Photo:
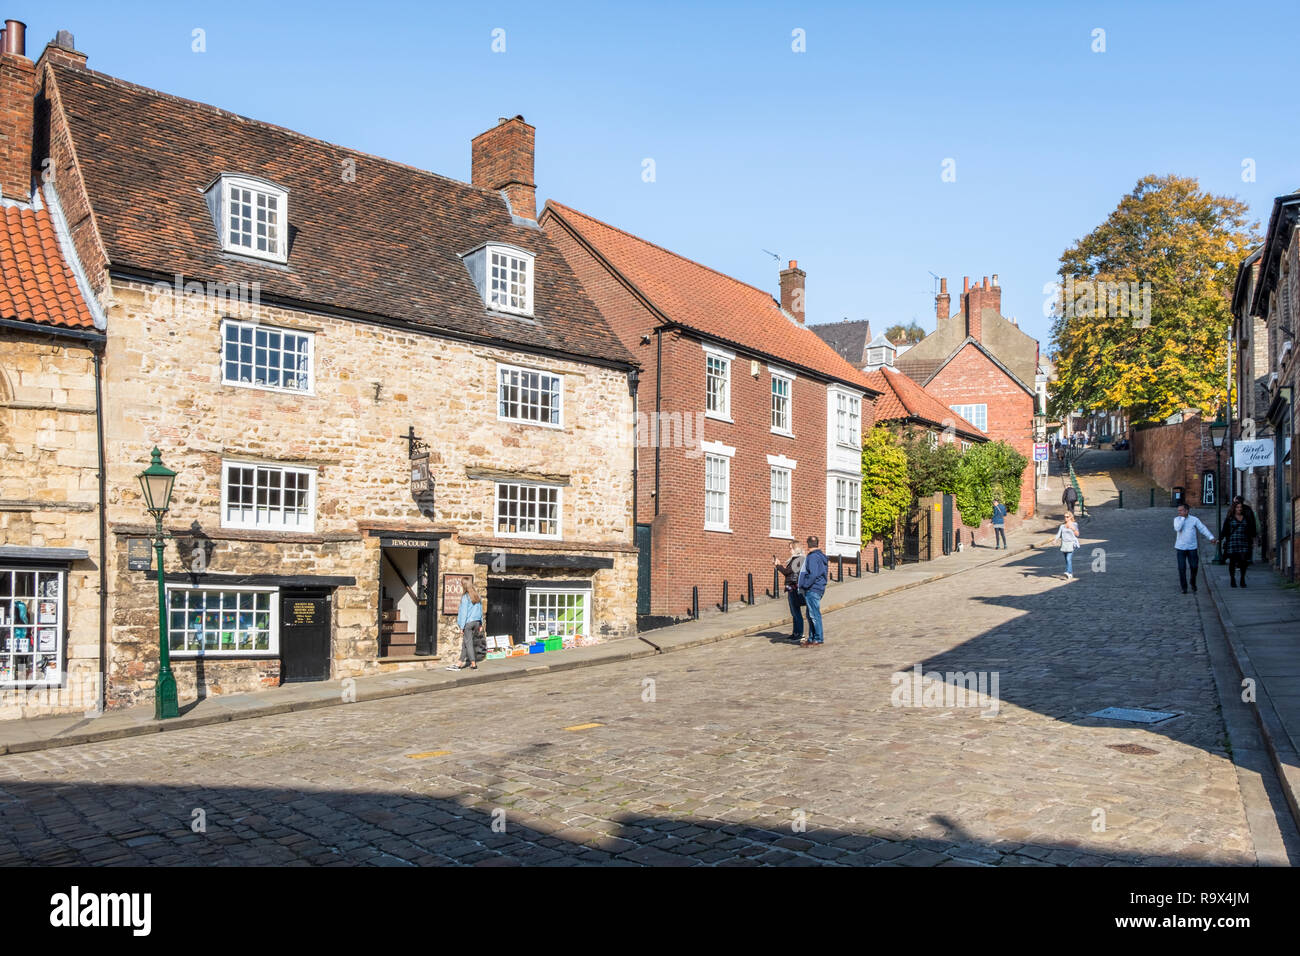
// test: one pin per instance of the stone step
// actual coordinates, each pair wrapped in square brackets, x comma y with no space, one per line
[400,637]
[401,650]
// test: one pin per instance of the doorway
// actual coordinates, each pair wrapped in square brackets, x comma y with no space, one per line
[304,635]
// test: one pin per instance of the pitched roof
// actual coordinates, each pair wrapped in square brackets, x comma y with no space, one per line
[384,246]
[848,338]
[36,284]
[903,399]
[706,301]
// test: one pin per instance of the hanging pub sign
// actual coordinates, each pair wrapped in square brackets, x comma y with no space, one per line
[421,480]
[1207,488]
[139,554]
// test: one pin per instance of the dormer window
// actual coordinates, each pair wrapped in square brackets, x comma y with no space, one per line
[504,277]
[251,215]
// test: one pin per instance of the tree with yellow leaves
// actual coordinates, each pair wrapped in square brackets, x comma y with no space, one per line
[1143,305]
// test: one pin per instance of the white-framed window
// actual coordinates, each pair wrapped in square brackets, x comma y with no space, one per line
[509,280]
[221,622]
[780,509]
[558,612]
[717,493]
[527,395]
[848,504]
[965,446]
[31,626]
[528,510]
[252,216]
[267,497]
[977,415]
[717,382]
[260,356]
[848,419]
[782,396]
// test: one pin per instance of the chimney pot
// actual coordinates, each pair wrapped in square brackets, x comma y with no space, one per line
[943,286]
[15,37]
[985,283]
[995,280]
[965,284]
[794,263]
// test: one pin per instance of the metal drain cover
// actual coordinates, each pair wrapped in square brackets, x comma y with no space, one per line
[1136,749]
[1134,715]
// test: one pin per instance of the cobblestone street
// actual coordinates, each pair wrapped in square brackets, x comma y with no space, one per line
[748,751]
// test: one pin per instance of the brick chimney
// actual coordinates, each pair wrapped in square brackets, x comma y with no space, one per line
[975,299]
[63,49]
[943,302]
[502,158]
[17,101]
[792,290]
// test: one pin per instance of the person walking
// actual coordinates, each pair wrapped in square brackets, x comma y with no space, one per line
[999,524]
[1238,537]
[1186,527]
[469,618]
[1067,536]
[812,585]
[1069,497]
[790,571]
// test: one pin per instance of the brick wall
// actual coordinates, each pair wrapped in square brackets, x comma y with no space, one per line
[1177,454]
[17,89]
[971,378]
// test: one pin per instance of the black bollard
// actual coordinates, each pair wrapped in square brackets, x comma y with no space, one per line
[750,602]
[875,560]
[723,605]
[839,567]
[695,602]
[1121,498]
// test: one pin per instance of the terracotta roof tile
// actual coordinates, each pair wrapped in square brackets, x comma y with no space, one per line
[902,398]
[705,300]
[36,283]
[386,245]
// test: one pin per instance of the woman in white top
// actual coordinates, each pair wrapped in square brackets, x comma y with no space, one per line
[1068,536]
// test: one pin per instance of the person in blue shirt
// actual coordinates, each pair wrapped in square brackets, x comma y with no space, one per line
[469,618]
[812,585]
[999,527]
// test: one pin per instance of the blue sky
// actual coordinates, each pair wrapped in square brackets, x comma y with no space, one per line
[832,156]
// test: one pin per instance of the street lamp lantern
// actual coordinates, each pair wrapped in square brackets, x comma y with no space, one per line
[156,483]
[1218,432]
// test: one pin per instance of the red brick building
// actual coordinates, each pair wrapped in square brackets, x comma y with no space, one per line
[982,366]
[749,426]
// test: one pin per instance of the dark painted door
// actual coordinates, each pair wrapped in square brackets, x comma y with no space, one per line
[426,599]
[947,524]
[505,611]
[643,569]
[304,635]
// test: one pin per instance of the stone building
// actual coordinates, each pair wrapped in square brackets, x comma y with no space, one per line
[373,381]
[750,425]
[981,365]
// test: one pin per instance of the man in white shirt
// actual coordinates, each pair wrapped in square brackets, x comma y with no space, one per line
[1186,528]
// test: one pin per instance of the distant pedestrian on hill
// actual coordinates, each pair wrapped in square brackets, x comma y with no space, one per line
[790,571]
[812,585]
[1070,498]
[1067,535]
[1186,527]
[1238,538]
[999,524]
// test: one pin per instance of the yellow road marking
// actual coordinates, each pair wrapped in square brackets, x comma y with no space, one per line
[429,753]
[583,726]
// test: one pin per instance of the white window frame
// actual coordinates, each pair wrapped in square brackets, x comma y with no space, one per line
[254,524]
[718,452]
[35,631]
[255,327]
[776,472]
[490,294]
[973,413]
[788,378]
[273,640]
[256,186]
[523,501]
[542,373]
[848,407]
[853,489]
[587,607]
[728,360]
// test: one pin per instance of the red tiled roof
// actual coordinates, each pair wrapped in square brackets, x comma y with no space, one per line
[902,398]
[709,302]
[36,284]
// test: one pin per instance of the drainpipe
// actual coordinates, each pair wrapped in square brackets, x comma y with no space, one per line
[633,380]
[97,353]
[659,396]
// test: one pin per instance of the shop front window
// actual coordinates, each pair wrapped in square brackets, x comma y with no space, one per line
[31,626]
[557,614]
[227,622]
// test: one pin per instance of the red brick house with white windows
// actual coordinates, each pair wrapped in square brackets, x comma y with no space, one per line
[982,366]
[749,425]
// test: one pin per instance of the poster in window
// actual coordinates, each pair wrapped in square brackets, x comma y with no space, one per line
[47,640]
[47,613]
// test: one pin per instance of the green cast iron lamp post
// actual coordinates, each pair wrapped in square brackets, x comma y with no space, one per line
[156,485]
[1218,432]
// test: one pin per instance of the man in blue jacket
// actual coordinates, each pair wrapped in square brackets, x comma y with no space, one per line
[812,585]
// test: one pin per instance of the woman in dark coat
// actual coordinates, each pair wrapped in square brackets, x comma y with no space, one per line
[1238,537]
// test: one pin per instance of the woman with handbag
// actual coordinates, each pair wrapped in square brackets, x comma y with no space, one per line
[469,618]
[1068,536]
